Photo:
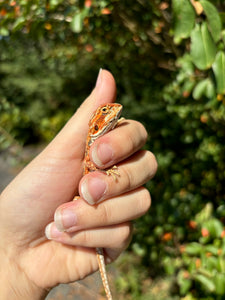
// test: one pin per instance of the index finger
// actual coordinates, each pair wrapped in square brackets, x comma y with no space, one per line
[118,144]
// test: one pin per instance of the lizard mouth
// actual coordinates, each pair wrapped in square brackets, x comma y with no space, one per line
[115,120]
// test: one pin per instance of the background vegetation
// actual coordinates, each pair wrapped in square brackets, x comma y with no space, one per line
[168,58]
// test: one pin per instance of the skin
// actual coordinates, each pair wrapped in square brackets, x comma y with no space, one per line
[30,263]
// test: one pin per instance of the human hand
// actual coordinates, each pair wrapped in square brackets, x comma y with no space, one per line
[31,264]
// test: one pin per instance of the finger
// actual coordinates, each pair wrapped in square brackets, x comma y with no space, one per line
[114,237]
[78,215]
[134,172]
[118,144]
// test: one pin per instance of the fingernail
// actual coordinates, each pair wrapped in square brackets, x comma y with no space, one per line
[65,219]
[93,189]
[52,232]
[98,82]
[102,154]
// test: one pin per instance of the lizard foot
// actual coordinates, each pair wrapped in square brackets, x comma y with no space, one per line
[113,172]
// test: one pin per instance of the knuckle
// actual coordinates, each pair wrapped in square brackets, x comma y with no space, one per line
[84,238]
[128,178]
[104,213]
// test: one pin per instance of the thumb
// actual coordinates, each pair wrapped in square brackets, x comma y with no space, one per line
[104,92]
[75,131]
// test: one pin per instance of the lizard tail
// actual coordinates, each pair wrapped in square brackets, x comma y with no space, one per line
[102,269]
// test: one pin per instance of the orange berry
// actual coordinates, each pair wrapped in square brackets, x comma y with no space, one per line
[198,263]
[167,236]
[106,11]
[48,26]
[205,232]
[88,3]
[192,224]
[3,12]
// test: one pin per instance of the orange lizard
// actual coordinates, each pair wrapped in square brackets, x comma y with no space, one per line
[104,119]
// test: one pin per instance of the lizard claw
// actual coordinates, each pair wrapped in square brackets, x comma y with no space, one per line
[113,172]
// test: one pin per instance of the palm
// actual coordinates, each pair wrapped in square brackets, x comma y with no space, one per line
[51,263]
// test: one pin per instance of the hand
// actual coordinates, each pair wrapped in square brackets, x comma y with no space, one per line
[30,263]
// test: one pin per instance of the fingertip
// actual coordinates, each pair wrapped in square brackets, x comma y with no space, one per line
[51,232]
[48,231]
[105,89]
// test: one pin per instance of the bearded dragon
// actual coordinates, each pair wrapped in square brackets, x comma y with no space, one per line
[104,119]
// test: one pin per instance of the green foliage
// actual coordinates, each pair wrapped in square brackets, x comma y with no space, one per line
[200,265]
[168,60]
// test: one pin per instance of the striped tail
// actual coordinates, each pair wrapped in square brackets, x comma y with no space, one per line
[102,269]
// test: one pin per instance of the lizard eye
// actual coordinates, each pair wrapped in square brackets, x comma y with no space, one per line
[96,127]
[104,109]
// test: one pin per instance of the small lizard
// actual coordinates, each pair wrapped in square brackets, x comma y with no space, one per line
[104,119]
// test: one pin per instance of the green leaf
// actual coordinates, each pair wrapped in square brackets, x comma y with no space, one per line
[213,19]
[203,87]
[184,19]
[219,281]
[4,31]
[184,282]
[19,23]
[221,264]
[214,226]
[219,71]
[212,249]
[203,48]
[200,89]
[54,3]
[193,248]
[206,282]
[77,23]
[210,89]
[205,213]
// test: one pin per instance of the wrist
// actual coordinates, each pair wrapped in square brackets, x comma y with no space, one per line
[15,285]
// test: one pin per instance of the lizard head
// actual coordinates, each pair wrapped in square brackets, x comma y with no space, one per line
[104,119]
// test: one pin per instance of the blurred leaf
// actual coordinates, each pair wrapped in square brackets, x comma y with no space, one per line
[204,87]
[207,283]
[203,48]
[77,22]
[214,227]
[204,214]
[219,71]
[219,281]
[184,281]
[54,3]
[212,249]
[200,89]
[169,265]
[193,248]
[213,19]
[184,18]
[4,32]
[19,23]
